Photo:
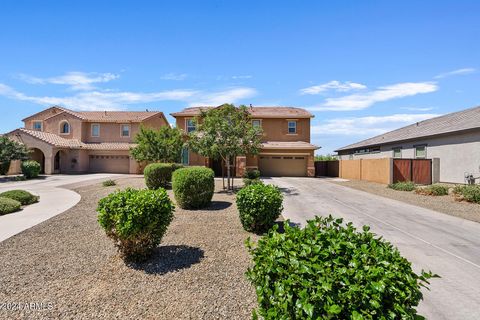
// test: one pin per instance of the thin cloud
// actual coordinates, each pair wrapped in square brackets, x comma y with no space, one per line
[381,94]
[174,76]
[371,125]
[75,80]
[333,85]
[457,72]
[242,77]
[421,109]
[231,95]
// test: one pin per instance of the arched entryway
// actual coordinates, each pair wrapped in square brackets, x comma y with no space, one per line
[38,156]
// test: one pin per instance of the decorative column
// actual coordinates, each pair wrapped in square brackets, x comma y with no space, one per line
[311,166]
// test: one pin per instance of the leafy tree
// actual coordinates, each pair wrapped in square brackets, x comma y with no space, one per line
[327,157]
[162,145]
[11,150]
[224,133]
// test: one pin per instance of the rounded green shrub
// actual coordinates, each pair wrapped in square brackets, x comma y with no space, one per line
[22,196]
[328,270]
[8,205]
[470,193]
[193,187]
[159,175]
[251,177]
[136,220]
[433,190]
[403,186]
[31,169]
[109,183]
[259,205]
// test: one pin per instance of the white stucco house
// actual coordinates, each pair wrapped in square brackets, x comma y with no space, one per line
[453,138]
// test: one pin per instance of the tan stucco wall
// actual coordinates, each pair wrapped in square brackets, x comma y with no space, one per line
[52,125]
[277,130]
[375,170]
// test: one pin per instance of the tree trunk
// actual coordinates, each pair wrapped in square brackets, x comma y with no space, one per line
[223,172]
[228,173]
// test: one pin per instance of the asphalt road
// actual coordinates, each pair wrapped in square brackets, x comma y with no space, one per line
[446,245]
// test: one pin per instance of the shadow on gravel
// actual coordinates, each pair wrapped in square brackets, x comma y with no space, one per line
[289,191]
[171,258]
[218,205]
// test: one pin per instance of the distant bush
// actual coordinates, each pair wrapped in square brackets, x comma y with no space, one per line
[22,196]
[193,187]
[251,177]
[328,270]
[8,205]
[159,175]
[470,193]
[403,186]
[109,183]
[259,206]
[136,220]
[31,169]
[433,190]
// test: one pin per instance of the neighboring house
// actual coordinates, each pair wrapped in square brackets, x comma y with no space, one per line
[285,151]
[452,138]
[66,141]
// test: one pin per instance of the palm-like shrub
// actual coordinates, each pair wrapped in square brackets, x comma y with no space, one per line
[193,187]
[159,175]
[8,205]
[31,169]
[22,196]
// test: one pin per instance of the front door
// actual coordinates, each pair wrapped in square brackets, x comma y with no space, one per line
[56,163]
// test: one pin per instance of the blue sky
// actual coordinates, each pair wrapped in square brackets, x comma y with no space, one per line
[362,67]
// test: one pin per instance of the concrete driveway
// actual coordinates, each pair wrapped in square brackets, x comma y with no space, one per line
[447,245]
[55,198]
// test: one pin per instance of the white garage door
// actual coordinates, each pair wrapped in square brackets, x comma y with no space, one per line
[109,163]
[282,166]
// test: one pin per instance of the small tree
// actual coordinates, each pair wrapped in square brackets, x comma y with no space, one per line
[10,150]
[162,145]
[224,133]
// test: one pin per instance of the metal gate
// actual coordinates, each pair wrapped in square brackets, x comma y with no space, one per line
[417,170]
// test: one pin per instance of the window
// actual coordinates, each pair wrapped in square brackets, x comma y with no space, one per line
[125,130]
[37,125]
[185,158]
[64,127]
[397,152]
[420,152]
[292,127]
[190,125]
[95,130]
[256,123]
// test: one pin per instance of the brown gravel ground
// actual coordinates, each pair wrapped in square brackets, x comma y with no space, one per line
[445,204]
[196,273]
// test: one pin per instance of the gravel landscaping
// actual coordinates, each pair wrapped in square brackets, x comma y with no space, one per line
[68,264]
[445,204]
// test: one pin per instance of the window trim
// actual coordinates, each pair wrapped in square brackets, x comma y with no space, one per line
[415,151]
[60,129]
[129,130]
[37,121]
[91,130]
[288,126]
[187,126]
[259,121]
[393,152]
[186,160]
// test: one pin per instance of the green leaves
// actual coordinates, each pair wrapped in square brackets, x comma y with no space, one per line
[193,187]
[164,144]
[329,270]
[10,150]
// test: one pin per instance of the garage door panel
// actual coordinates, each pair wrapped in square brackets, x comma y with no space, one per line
[283,166]
[109,164]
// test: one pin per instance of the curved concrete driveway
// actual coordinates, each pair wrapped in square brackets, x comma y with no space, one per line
[53,200]
[447,245]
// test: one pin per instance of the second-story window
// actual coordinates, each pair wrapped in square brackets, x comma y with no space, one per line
[190,125]
[95,130]
[37,125]
[125,130]
[256,123]
[64,127]
[292,127]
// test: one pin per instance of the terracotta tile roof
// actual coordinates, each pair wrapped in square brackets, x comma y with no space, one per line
[260,112]
[288,145]
[58,141]
[450,123]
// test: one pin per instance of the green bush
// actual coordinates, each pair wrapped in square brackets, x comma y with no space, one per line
[159,175]
[136,220]
[433,190]
[109,183]
[22,196]
[30,169]
[402,186]
[332,271]
[251,177]
[193,187]
[470,193]
[259,205]
[8,205]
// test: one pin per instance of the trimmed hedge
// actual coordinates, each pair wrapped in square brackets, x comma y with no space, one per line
[159,175]
[403,186]
[251,177]
[332,271]
[259,205]
[8,205]
[22,196]
[433,190]
[470,193]
[193,187]
[31,169]
[136,220]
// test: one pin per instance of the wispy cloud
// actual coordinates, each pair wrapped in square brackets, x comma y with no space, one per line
[174,76]
[365,100]
[333,85]
[75,80]
[230,95]
[242,77]
[421,109]
[371,125]
[457,72]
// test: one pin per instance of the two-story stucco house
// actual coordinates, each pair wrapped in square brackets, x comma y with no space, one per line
[285,151]
[66,141]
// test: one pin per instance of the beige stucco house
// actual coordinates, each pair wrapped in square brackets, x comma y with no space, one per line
[285,151]
[66,141]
